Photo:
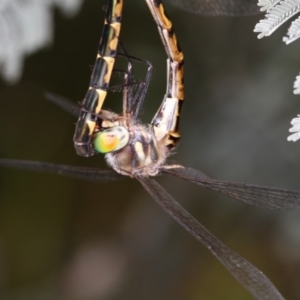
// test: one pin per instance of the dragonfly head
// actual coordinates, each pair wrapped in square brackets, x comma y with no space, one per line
[111,139]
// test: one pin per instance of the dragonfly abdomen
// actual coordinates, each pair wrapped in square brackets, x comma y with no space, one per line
[99,83]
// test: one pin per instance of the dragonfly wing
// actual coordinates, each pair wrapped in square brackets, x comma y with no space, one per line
[255,282]
[63,103]
[261,196]
[89,174]
[218,7]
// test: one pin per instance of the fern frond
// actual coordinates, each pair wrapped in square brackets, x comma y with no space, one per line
[295,129]
[278,12]
[267,4]
[297,85]
[276,16]
[293,32]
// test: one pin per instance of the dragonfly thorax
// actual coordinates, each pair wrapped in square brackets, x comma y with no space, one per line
[131,149]
[141,156]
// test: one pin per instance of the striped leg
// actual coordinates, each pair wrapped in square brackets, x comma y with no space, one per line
[166,120]
[100,78]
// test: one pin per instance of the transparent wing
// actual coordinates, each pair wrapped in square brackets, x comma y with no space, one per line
[63,103]
[89,174]
[261,196]
[218,7]
[255,282]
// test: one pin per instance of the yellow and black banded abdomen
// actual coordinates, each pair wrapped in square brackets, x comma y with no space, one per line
[166,120]
[100,78]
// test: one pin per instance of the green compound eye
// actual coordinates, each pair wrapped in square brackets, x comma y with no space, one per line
[111,139]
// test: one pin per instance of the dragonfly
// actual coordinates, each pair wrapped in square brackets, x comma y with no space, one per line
[141,152]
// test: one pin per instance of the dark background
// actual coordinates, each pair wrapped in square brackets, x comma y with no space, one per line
[62,238]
